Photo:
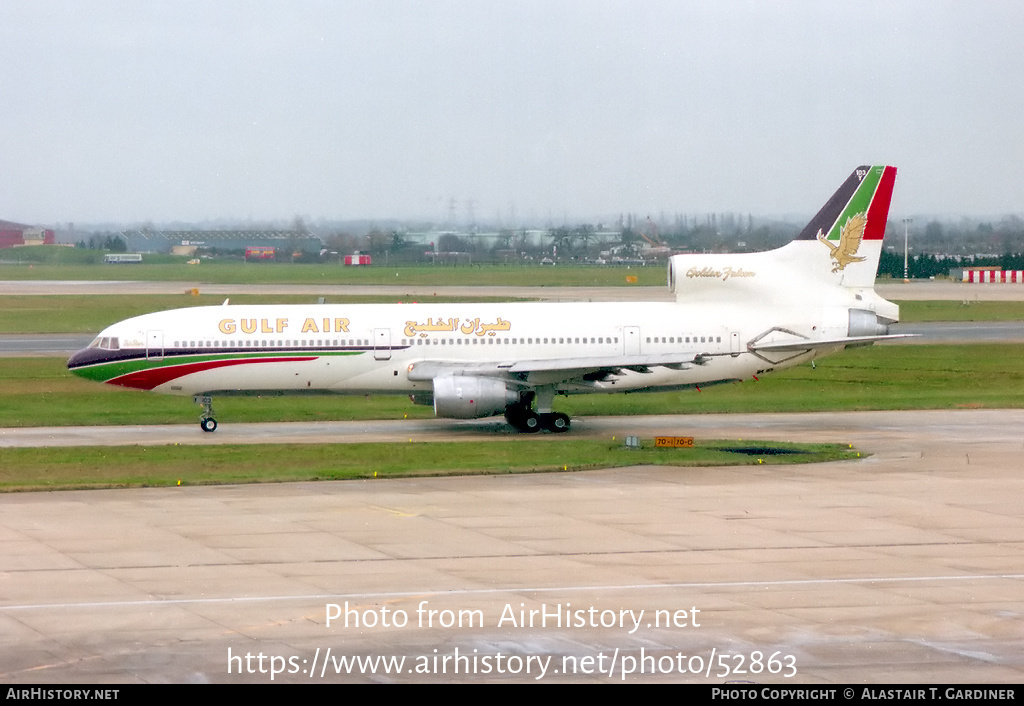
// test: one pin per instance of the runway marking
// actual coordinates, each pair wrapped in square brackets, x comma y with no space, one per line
[509,555]
[510,589]
[397,513]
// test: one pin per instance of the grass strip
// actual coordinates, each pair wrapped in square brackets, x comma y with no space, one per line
[929,311]
[153,466]
[41,392]
[233,272]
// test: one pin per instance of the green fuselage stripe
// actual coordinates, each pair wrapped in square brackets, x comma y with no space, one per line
[102,372]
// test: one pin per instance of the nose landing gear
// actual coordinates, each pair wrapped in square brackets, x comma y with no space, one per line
[206,422]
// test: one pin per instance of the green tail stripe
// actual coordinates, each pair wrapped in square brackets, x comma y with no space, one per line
[860,201]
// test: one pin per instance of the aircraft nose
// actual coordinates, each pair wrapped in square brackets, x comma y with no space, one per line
[76,361]
[86,363]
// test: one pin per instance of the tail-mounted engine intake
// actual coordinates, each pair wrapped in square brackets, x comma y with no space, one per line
[470,397]
[867,323]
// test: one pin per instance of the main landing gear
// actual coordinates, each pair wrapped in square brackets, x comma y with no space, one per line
[206,422]
[522,418]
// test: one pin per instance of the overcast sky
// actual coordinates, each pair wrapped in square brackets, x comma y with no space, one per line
[158,111]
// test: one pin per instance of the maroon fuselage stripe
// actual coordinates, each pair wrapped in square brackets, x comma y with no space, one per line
[152,377]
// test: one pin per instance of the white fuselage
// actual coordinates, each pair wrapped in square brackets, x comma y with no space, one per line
[375,348]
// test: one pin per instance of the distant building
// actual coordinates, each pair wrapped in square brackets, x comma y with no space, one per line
[285,241]
[986,275]
[13,235]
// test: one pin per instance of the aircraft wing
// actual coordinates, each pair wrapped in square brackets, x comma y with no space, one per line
[557,369]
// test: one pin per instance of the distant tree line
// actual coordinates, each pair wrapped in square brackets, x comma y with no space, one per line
[926,265]
[962,237]
[109,242]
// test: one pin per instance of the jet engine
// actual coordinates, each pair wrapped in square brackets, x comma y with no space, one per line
[867,323]
[471,397]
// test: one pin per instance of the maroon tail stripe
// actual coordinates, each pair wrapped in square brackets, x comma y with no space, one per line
[878,212]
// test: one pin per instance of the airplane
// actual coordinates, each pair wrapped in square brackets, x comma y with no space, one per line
[735,317]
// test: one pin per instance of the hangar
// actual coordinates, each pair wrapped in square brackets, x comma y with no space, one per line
[13,235]
[187,241]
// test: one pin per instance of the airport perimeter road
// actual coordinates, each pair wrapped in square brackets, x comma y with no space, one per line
[903,567]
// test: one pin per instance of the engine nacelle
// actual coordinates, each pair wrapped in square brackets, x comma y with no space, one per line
[866,323]
[471,397]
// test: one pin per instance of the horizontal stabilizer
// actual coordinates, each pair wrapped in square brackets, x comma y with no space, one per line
[811,344]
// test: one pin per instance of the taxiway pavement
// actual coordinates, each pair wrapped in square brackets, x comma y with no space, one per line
[902,567]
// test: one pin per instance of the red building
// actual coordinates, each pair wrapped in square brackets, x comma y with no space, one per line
[15,234]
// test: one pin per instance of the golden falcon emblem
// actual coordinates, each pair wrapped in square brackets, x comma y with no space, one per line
[845,251]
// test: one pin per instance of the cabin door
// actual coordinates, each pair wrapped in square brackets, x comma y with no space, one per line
[154,345]
[631,340]
[382,344]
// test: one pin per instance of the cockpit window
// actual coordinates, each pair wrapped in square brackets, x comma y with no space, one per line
[110,343]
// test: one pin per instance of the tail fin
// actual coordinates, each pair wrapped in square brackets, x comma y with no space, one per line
[851,224]
[840,247]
